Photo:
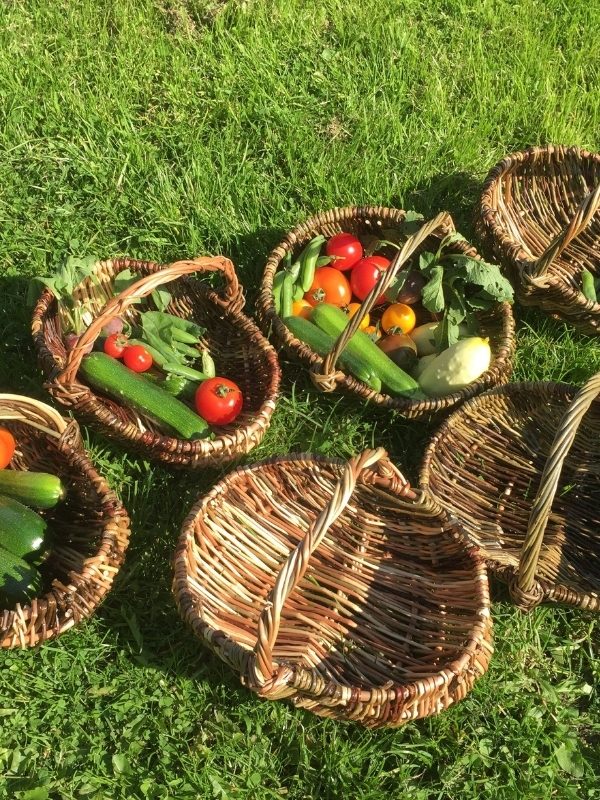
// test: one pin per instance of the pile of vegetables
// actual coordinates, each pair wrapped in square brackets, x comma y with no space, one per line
[25,541]
[421,337]
[158,365]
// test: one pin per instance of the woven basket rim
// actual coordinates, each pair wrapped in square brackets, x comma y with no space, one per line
[480,621]
[112,545]
[499,368]
[501,236]
[156,444]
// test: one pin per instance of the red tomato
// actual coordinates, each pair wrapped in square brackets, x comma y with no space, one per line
[115,344]
[366,274]
[347,250]
[329,286]
[137,358]
[218,401]
[7,447]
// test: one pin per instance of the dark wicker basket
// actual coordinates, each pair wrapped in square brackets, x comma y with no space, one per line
[91,527]
[337,586]
[538,213]
[519,467]
[239,349]
[498,325]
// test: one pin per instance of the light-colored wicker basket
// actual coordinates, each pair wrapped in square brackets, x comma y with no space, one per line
[519,467]
[90,527]
[539,214]
[337,586]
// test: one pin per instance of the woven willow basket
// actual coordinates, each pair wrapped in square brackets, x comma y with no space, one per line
[239,349]
[90,527]
[519,467]
[539,214]
[337,586]
[327,376]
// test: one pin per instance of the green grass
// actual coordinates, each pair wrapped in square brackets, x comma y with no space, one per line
[167,128]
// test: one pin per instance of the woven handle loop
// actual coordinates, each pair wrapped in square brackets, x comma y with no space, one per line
[116,306]
[324,374]
[25,410]
[584,214]
[542,505]
[262,669]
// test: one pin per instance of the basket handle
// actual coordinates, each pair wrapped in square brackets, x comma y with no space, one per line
[526,590]
[116,306]
[324,375]
[31,412]
[589,206]
[262,670]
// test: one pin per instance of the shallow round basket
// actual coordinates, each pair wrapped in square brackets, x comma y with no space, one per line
[90,527]
[539,214]
[337,586]
[237,346]
[497,325]
[519,467]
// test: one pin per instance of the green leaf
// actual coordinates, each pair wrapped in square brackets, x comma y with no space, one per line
[569,759]
[124,280]
[39,793]
[121,764]
[396,286]
[161,299]
[433,292]
[426,262]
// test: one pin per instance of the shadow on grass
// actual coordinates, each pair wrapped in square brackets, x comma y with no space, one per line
[19,372]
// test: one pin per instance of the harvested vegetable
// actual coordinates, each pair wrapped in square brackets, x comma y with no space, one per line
[301,308]
[115,345]
[401,349]
[590,286]
[353,309]
[21,582]
[137,358]
[111,377]
[365,275]
[398,318]
[22,531]
[329,286]
[7,447]
[219,401]
[456,367]
[345,250]
[35,489]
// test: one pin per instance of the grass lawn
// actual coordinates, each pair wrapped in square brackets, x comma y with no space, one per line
[167,128]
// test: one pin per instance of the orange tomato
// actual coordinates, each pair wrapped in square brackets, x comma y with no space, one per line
[353,309]
[329,286]
[398,318]
[301,308]
[372,332]
[7,447]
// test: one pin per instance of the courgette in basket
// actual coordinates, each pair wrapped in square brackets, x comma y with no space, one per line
[333,321]
[36,489]
[322,343]
[20,582]
[22,531]
[110,376]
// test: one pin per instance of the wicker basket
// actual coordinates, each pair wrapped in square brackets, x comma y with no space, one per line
[538,213]
[239,349]
[528,498]
[337,586]
[324,372]
[91,526]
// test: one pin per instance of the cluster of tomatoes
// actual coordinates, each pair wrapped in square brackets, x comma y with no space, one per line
[347,281]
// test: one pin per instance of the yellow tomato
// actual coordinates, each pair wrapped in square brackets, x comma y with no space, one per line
[301,308]
[353,309]
[372,332]
[398,318]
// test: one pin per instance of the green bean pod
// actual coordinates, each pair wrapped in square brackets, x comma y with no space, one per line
[277,286]
[308,260]
[287,293]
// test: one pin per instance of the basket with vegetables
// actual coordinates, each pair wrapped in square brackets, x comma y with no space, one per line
[540,214]
[180,375]
[63,532]
[337,586]
[400,312]
[519,467]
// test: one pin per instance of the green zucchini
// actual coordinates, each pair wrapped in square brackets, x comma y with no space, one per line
[110,376]
[333,321]
[20,582]
[22,531]
[36,489]
[322,343]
